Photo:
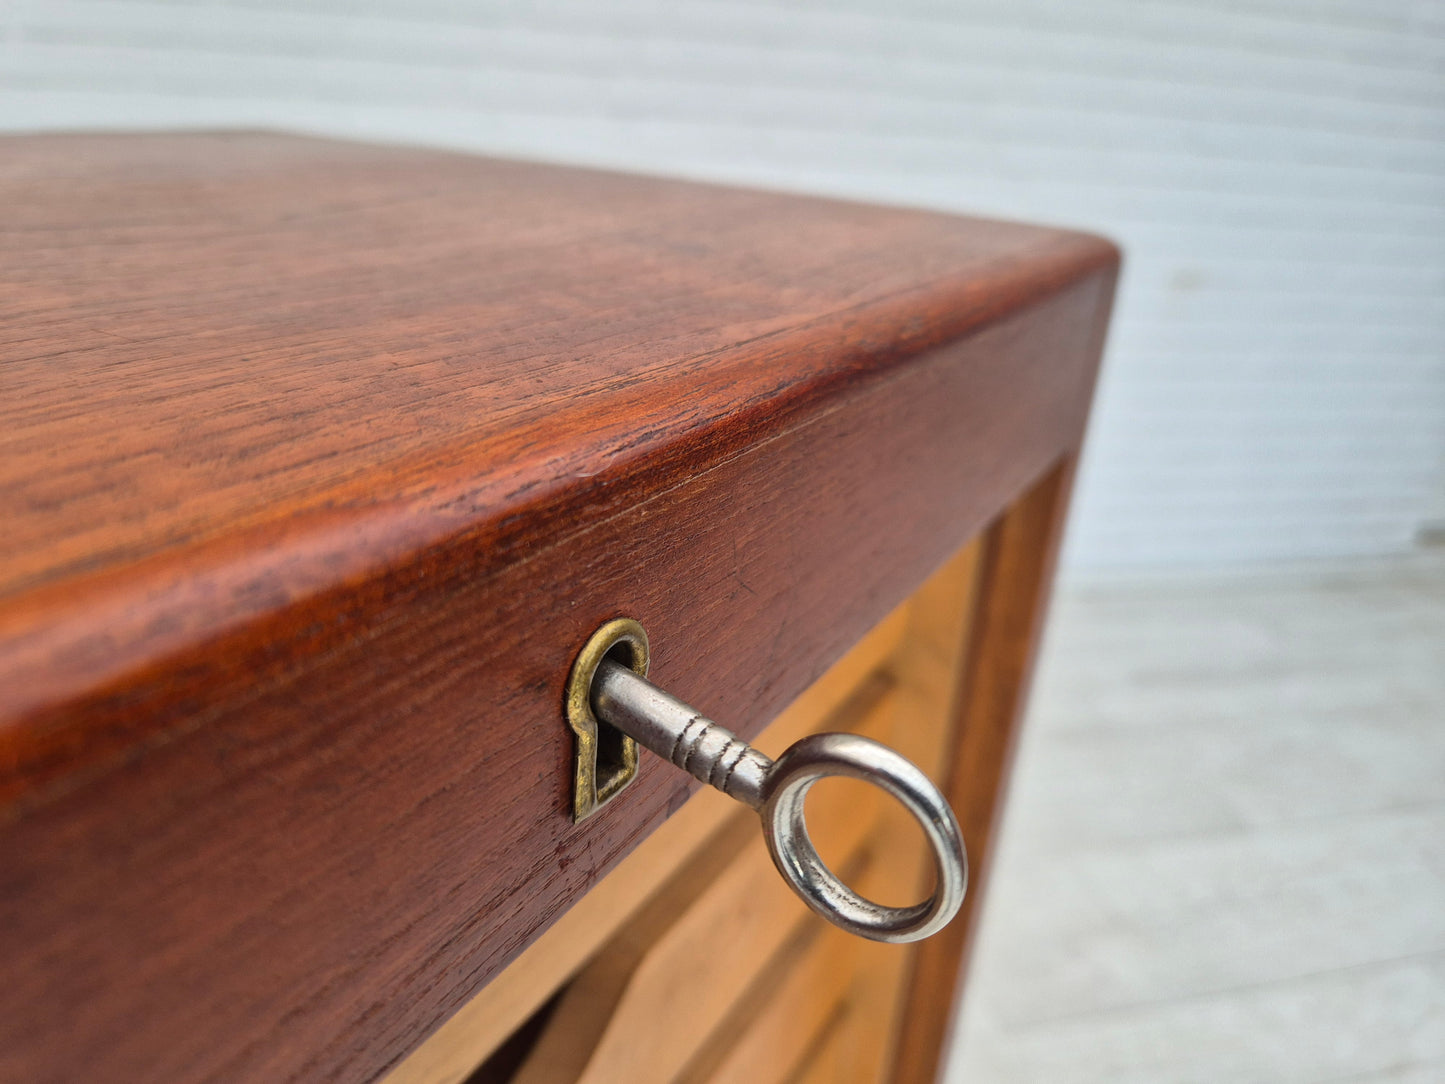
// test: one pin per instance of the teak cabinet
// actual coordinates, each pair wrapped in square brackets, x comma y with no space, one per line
[320,462]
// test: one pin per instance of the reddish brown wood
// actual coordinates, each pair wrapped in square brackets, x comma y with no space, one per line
[1015,574]
[319,462]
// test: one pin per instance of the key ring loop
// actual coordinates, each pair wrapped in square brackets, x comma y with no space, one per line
[786,829]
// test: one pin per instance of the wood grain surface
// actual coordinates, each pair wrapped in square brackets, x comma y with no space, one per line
[320,461]
[1016,573]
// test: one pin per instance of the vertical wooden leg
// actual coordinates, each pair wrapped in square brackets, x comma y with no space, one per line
[925,668]
[1016,570]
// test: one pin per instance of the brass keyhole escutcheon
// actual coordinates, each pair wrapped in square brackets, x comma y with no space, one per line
[605,760]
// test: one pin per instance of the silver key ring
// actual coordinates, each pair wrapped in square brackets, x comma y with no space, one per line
[608,688]
[785,827]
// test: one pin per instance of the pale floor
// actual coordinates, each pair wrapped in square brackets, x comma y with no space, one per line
[1223,858]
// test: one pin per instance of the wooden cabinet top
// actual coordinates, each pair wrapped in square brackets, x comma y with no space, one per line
[271,405]
[267,362]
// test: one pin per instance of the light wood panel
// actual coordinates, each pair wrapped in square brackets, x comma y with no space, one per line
[783,1013]
[929,673]
[664,985]
[1015,572]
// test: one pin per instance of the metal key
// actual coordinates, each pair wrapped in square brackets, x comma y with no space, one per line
[621,696]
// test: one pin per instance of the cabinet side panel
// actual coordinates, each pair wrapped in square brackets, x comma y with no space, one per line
[1017,561]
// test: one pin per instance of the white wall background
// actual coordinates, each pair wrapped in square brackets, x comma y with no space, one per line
[1275,385]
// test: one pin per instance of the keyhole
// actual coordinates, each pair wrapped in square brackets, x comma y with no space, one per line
[613,769]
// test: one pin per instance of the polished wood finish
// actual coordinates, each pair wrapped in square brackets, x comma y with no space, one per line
[320,461]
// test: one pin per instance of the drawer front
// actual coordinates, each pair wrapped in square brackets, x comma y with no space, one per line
[693,961]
